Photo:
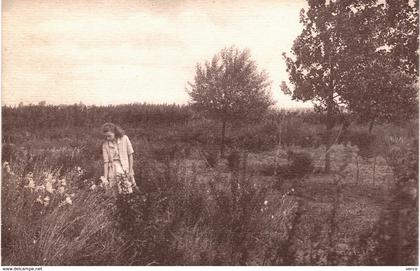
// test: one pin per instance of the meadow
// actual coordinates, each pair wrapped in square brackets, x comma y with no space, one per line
[267,202]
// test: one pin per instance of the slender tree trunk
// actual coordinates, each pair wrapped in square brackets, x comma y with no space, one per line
[276,163]
[222,143]
[330,126]
[372,122]
[330,120]
[374,169]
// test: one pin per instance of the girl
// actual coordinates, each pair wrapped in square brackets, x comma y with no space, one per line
[118,159]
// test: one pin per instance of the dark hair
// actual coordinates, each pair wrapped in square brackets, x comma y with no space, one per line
[111,127]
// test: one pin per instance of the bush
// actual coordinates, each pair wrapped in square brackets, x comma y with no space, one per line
[362,139]
[234,217]
[259,137]
[298,133]
[394,238]
[299,164]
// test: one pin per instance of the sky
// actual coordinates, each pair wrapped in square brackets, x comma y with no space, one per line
[133,51]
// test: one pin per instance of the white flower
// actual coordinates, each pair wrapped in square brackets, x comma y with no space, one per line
[265,203]
[79,170]
[6,166]
[49,187]
[40,187]
[293,190]
[72,195]
[61,190]
[69,201]
[39,200]
[93,187]
[31,184]
[50,179]
[63,182]
[46,200]
[272,216]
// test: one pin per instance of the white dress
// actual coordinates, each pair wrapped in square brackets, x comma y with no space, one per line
[119,178]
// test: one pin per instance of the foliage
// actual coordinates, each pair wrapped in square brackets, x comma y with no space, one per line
[299,164]
[229,88]
[394,239]
[53,116]
[341,61]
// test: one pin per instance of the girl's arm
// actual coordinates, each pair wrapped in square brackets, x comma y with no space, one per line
[106,170]
[106,161]
[130,152]
[130,163]
[131,171]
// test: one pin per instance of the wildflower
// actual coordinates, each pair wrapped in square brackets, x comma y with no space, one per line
[31,184]
[49,178]
[293,190]
[61,190]
[46,200]
[93,187]
[265,203]
[62,182]
[72,195]
[49,187]
[6,166]
[39,199]
[39,188]
[79,170]
[69,201]
[272,216]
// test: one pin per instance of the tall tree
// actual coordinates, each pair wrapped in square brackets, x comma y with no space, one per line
[342,59]
[382,73]
[315,63]
[230,88]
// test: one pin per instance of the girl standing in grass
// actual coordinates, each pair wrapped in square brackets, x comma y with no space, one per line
[118,159]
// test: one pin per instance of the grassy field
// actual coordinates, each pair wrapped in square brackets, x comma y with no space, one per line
[265,203]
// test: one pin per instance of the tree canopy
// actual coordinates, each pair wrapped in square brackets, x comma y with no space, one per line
[230,88]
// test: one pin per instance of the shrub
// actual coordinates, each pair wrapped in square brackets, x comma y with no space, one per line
[362,139]
[299,164]
[258,137]
[234,219]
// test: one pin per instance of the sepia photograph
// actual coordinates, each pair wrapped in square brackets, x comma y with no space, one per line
[209,133]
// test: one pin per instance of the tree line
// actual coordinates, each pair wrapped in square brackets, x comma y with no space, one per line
[79,115]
